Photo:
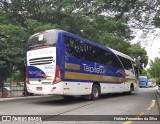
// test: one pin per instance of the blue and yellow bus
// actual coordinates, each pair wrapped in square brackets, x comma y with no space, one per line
[62,63]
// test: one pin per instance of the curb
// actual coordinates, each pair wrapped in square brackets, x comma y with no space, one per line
[158,91]
[24,97]
[158,99]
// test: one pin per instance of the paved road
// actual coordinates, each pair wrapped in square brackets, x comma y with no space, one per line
[141,103]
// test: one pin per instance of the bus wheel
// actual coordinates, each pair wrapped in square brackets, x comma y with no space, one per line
[95,92]
[131,89]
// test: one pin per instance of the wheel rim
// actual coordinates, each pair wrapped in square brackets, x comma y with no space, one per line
[95,92]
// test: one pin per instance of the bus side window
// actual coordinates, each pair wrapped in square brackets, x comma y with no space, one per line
[74,47]
[92,53]
[69,45]
[79,49]
[83,50]
[104,57]
[126,63]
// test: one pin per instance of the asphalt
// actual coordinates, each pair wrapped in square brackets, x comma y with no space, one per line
[157,95]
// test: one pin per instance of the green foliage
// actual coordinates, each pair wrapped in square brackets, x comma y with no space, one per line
[156,21]
[12,44]
[15,76]
[87,18]
[137,50]
[154,69]
[116,43]
[34,26]
[145,72]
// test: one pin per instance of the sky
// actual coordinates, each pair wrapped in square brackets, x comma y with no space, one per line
[153,50]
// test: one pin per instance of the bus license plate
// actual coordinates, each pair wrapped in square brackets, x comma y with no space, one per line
[39,88]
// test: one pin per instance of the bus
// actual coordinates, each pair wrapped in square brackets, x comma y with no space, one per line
[143,81]
[62,63]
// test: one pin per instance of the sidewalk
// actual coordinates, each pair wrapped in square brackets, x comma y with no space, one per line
[158,99]
[22,97]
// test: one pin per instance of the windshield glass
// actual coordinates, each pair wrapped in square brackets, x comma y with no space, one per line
[43,39]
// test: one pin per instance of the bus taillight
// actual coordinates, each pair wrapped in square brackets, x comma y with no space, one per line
[27,79]
[57,75]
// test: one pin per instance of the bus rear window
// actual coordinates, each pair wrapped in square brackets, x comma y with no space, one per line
[44,39]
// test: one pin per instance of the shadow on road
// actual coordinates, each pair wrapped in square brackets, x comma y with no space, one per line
[113,95]
[60,101]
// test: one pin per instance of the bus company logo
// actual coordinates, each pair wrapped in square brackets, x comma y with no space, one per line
[43,75]
[48,67]
[35,72]
[91,69]
[122,72]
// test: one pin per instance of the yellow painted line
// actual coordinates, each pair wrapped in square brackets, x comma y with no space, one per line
[151,105]
[142,113]
[127,122]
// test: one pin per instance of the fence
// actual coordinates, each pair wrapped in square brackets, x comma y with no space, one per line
[14,90]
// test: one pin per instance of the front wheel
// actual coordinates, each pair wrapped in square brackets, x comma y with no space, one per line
[95,92]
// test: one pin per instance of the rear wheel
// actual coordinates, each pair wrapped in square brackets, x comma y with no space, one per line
[131,90]
[95,92]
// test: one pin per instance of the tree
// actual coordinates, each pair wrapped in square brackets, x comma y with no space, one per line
[144,18]
[13,41]
[145,72]
[12,48]
[135,51]
[154,69]
[100,21]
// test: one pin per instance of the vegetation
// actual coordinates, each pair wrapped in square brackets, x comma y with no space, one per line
[154,69]
[101,21]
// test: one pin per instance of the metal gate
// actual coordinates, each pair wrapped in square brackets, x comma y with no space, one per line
[8,90]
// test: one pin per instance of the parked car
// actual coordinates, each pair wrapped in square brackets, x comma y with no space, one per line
[151,83]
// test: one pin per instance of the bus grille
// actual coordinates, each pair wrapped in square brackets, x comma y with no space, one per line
[41,61]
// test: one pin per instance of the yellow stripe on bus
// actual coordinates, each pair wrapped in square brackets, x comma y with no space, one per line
[94,77]
[72,66]
[36,79]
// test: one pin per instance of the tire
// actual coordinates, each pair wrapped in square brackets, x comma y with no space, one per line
[131,90]
[95,92]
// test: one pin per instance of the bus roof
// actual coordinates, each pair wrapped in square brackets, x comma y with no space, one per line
[121,54]
[91,42]
[142,76]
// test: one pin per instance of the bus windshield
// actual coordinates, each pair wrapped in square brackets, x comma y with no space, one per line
[43,39]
